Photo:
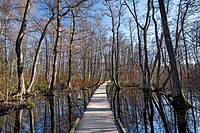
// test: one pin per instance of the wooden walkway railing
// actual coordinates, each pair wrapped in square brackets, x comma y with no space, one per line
[98,117]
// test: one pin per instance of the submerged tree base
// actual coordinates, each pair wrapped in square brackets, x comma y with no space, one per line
[181,106]
[180,102]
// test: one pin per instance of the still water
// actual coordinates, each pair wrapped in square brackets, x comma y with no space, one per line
[47,114]
[152,113]
[140,113]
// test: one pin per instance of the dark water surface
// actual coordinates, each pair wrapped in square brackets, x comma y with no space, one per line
[152,113]
[48,114]
[140,112]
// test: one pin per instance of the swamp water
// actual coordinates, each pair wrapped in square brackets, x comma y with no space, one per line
[47,114]
[140,113]
[152,113]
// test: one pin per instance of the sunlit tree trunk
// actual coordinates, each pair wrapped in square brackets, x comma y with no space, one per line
[6,60]
[131,63]
[84,65]
[34,69]
[186,56]
[20,61]
[55,59]
[117,61]
[72,32]
[60,57]
[113,46]
[5,19]
[47,63]
[114,68]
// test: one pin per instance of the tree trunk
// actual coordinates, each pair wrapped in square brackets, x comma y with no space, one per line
[113,47]
[146,82]
[177,90]
[116,82]
[158,43]
[176,83]
[70,48]
[186,55]
[34,69]
[47,64]
[20,65]
[55,60]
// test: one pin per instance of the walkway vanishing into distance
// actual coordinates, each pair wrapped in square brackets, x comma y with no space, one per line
[98,117]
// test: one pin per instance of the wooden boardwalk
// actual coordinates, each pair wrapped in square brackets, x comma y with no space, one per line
[98,117]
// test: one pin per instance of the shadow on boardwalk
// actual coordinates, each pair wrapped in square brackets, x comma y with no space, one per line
[98,117]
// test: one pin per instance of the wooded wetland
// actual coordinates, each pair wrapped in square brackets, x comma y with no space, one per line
[54,54]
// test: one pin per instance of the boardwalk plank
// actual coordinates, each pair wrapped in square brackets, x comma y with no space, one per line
[98,117]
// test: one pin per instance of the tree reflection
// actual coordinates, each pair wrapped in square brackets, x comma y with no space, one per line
[69,110]
[45,119]
[182,120]
[31,120]
[180,112]
[193,111]
[160,110]
[18,121]
[149,111]
[50,114]
[53,114]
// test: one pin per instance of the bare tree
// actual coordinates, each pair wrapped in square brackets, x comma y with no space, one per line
[72,32]
[53,81]
[34,69]
[145,70]
[177,87]
[20,65]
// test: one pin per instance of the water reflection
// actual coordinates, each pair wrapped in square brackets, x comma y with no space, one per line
[31,114]
[18,121]
[54,114]
[152,112]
